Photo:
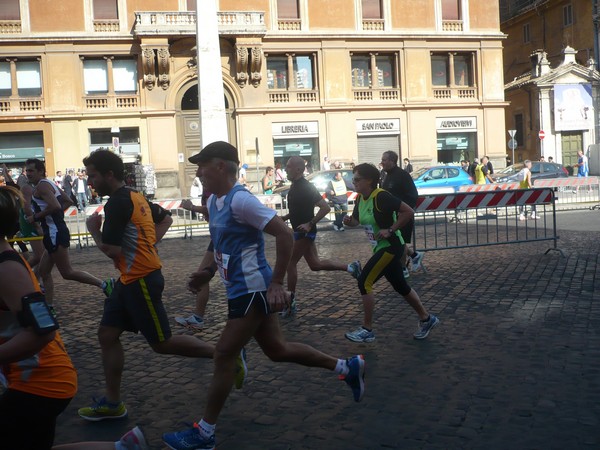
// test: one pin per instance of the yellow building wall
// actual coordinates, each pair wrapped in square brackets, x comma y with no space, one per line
[417,72]
[416,14]
[484,15]
[492,76]
[63,80]
[52,15]
[334,77]
[162,143]
[336,14]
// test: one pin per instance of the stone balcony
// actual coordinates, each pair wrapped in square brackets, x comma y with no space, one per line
[235,23]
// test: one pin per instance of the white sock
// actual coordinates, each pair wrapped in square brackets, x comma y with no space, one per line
[342,367]
[206,429]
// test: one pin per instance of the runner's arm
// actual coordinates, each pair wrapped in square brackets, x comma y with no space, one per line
[46,192]
[16,284]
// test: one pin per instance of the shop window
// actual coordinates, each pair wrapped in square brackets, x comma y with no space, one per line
[27,75]
[108,76]
[454,147]
[290,72]
[10,10]
[365,65]
[567,15]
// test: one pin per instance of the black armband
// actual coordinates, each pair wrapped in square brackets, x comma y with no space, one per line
[36,313]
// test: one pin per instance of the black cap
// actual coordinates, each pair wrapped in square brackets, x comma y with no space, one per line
[218,149]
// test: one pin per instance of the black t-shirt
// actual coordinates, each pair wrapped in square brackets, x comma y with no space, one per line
[302,198]
[399,183]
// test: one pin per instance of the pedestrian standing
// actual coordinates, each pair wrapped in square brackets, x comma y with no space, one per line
[382,215]
[407,165]
[400,184]
[302,199]
[525,182]
[254,290]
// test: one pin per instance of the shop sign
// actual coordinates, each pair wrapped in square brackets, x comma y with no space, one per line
[21,154]
[452,124]
[290,130]
[378,127]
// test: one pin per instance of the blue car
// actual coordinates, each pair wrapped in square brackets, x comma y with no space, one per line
[441,177]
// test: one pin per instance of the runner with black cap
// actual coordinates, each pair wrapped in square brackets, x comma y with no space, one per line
[254,290]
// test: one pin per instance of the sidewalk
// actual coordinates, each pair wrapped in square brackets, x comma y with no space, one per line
[515,362]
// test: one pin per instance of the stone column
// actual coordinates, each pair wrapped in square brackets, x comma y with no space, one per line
[211,96]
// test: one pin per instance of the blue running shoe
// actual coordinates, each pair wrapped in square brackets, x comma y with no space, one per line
[189,439]
[356,377]
[355,269]
[425,327]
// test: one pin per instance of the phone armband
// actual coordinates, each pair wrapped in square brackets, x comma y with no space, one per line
[36,313]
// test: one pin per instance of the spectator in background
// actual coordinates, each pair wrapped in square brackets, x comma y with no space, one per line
[326,164]
[67,186]
[550,159]
[464,164]
[81,191]
[196,188]
[267,181]
[482,173]
[407,165]
[489,166]
[280,175]
[472,167]
[337,193]
[58,179]
[22,178]
[541,159]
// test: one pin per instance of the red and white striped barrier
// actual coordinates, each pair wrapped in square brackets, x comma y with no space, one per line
[473,200]
[71,211]
[548,182]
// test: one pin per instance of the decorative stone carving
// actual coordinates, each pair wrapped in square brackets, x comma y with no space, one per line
[241,65]
[148,68]
[163,67]
[255,66]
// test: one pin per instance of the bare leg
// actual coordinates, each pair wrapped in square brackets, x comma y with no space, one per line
[113,361]
[63,264]
[45,273]
[184,345]
[413,300]
[369,306]
[312,258]
[292,269]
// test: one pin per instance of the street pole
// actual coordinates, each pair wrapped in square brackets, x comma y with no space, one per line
[512,133]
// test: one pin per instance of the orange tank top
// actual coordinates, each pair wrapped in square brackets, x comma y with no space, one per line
[49,373]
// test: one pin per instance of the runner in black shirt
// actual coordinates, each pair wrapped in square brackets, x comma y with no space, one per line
[302,200]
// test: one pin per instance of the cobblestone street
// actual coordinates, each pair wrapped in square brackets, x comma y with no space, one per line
[515,362]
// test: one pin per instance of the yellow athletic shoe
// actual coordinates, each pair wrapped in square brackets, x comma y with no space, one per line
[241,369]
[101,410]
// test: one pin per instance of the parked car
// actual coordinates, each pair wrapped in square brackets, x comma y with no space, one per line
[320,180]
[441,177]
[539,170]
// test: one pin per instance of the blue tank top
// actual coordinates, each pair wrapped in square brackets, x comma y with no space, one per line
[239,250]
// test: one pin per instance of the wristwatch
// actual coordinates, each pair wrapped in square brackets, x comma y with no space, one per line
[391,231]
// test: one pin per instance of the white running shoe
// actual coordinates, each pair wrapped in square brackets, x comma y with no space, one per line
[194,321]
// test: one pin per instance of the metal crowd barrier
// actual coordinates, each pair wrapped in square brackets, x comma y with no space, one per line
[475,219]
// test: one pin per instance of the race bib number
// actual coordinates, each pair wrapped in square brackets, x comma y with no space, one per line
[222,260]
[370,235]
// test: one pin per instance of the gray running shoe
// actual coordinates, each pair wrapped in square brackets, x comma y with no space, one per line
[355,269]
[360,335]
[417,260]
[425,327]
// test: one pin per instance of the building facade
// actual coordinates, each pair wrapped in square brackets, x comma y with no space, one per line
[346,81]
[551,71]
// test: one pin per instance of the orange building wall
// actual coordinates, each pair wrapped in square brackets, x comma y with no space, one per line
[52,15]
[484,15]
[149,5]
[248,5]
[412,14]
[336,14]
